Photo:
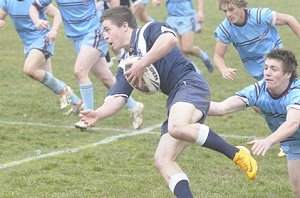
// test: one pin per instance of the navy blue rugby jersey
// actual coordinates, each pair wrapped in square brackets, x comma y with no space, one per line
[171,68]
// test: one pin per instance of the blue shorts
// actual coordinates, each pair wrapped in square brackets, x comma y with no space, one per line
[43,45]
[192,89]
[292,151]
[93,39]
[184,24]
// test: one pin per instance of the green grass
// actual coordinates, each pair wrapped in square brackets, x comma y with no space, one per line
[123,168]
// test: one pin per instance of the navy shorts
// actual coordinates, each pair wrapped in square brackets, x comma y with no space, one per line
[193,89]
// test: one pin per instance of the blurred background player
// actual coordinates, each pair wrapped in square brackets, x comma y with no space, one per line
[278,98]
[183,18]
[139,9]
[38,45]
[81,24]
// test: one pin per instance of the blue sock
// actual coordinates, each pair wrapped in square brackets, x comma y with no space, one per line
[74,99]
[52,83]
[87,95]
[130,103]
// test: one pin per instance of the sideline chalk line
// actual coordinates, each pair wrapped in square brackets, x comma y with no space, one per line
[75,150]
[100,142]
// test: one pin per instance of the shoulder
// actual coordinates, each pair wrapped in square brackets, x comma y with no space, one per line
[259,15]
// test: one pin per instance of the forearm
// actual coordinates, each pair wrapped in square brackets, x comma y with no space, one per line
[283,132]
[295,26]
[219,62]
[162,46]
[110,107]
[34,14]
[230,105]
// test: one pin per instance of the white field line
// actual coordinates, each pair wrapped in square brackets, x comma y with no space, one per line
[75,150]
[100,142]
[58,126]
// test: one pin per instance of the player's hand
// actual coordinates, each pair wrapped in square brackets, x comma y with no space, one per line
[135,73]
[42,24]
[89,116]
[229,73]
[156,3]
[2,23]
[260,146]
[200,16]
[51,35]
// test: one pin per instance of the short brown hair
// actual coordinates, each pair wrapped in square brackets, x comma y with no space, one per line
[288,59]
[118,15]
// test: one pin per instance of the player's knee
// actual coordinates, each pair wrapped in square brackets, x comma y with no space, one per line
[27,70]
[175,130]
[159,162]
[108,82]
[80,73]
[186,49]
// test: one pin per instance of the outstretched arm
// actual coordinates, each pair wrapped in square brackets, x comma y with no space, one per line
[230,105]
[220,50]
[285,19]
[288,128]
[109,108]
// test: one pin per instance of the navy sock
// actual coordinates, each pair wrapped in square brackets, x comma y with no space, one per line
[182,190]
[216,143]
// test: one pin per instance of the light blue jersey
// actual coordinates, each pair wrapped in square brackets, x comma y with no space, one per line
[180,8]
[30,36]
[257,37]
[274,110]
[77,23]
[182,16]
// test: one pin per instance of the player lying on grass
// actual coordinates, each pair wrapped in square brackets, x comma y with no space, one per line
[278,98]
[188,96]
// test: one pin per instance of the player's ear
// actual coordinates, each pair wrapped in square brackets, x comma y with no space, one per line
[125,26]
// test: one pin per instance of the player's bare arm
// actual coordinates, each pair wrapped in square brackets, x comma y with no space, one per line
[160,48]
[291,21]
[54,13]
[230,105]
[220,50]
[34,15]
[109,108]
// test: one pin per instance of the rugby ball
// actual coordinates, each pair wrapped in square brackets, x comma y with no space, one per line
[151,79]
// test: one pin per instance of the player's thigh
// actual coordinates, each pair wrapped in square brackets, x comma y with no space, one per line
[87,58]
[35,60]
[102,72]
[182,113]
[187,41]
[169,148]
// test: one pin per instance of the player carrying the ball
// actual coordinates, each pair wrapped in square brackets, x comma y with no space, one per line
[188,95]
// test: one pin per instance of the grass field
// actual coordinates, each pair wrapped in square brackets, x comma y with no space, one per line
[42,155]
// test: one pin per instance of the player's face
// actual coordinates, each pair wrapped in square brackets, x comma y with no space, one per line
[276,80]
[114,35]
[234,14]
